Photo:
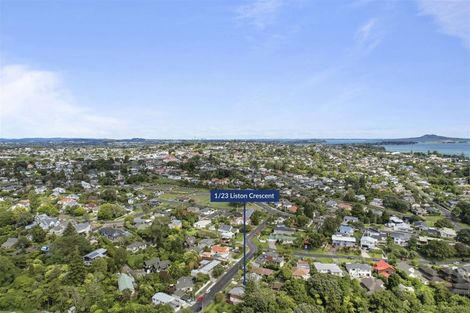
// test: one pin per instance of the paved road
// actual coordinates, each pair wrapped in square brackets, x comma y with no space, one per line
[228,276]
[272,210]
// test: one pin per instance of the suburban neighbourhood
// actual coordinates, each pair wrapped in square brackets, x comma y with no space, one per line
[129,227]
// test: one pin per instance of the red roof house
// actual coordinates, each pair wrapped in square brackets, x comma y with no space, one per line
[383,268]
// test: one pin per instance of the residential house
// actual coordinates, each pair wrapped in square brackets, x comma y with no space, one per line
[262,271]
[368,242]
[90,257]
[398,224]
[44,221]
[226,231]
[346,230]
[175,224]
[409,270]
[380,236]
[156,265]
[283,230]
[185,284]
[236,295]
[205,267]
[350,219]
[302,270]
[202,224]
[164,298]
[136,246]
[10,243]
[401,238]
[271,257]
[220,252]
[326,268]
[126,282]
[447,232]
[141,223]
[383,268]
[339,240]
[83,228]
[372,284]
[356,270]
[113,234]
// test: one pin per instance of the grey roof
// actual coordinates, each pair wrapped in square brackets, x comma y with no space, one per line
[372,284]
[157,263]
[9,243]
[333,268]
[225,228]
[125,282]
[97,253]
[136,244]
[237,291]
[184,282]
[82,226]
[401,235]
[363,267]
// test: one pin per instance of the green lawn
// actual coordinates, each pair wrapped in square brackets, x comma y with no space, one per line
[219,307]
[431,219]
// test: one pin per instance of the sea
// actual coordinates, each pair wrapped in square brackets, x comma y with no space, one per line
[443,148]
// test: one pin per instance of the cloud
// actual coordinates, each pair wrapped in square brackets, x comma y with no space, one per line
[259,13]
[452,17]
[368,36]
[36,103]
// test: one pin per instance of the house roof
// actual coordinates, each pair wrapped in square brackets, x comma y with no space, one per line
[184,282]
[362,267]
[300,272]
[220,249]
[333,268]
[372,284]
[262,271]
[125,282]
[382,265]
[237,292]
[9,243]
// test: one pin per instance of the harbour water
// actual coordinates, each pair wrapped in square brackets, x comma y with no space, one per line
[443,148]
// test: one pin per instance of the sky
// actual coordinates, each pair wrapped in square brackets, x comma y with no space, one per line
[234,69]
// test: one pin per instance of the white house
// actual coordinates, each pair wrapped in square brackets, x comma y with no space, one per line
[325,268]
[368,242]
[397,223]
[164,298]
[205,268]
[359,270]
[202,224]
[447,232]
[339,240]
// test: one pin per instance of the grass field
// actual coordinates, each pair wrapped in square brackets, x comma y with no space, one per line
[431,219]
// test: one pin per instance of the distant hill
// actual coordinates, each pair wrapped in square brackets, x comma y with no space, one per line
[428,138]
[136,141]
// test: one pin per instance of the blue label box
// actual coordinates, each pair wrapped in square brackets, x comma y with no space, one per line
[244,196]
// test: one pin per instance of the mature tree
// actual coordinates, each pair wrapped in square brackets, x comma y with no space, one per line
[393,281]
[77,270]
[70,230]
[217,271]
[437,249]
[48,209]
[385,302]
[308,308]
[395,203]
[38,234]
[109,211]
[463,235]
[463,210]
[8,270]
[443,222]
